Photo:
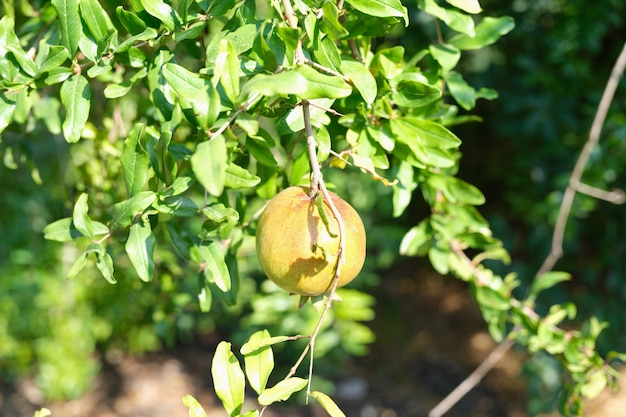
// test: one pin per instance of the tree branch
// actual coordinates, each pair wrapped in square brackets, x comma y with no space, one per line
[575,185]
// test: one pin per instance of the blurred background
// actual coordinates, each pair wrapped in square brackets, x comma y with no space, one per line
[85,347]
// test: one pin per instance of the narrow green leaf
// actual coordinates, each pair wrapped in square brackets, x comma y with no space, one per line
[62,230]
[25,62]
[125,211]
[195,409]
[215,269]
[434,134]
[209,163]
[131,22]
[162,11]
[76,98]
[69,20]
[548,280]
[56,56]
[328,404]
[205,299]
[304,82]
[135,161]
[488,31]
[228,379]
[140,248]
[410,91]
[81,219]
[227,70]
[161,93]
[239,177]
[177,205]
[104,262]
[259,363]
[381,8]
[78,266]
[282,391]
[8,101]
[96,19]
[361,77]
[204,104]
[319,85]
[258,343]
[458,21]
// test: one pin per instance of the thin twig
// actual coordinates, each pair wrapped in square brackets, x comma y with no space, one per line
[473,379]
[556,250]
[557,241]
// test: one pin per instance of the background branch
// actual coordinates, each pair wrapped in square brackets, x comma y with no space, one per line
[575,185]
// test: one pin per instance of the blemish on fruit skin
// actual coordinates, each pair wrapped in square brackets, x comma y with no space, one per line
[298,250]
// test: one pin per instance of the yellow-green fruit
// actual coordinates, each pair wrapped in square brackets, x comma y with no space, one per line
[295,248]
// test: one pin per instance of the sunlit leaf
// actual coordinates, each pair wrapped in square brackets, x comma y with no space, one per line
[195,409]
[139,248]
[69,20]
[80,217]
[76,98]
[209,163]
[328,404]
[282,391]
[488,31]
[135,161]
[228,379]
[259,363]
[469,6]
[381,8]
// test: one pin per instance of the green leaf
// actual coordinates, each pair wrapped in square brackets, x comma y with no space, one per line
[258,343]
[410,91]
[104,262]
[162,11]
[469,6]
[381,8]
[282,391]
[77,266]
[434,134]
[76,98]
[140,248]
[594,384]
[328,404]
[239,177]
[135,161]
[228,379]
[125,211]
[227,69]
[56,56]
[161,93]
[195,409]
[96,19]
[446,55]
[209,164]
[8,101]
[62,230]
[488,31]
[361,77]
[259,363]
[214,265]
[205,299]
[462,92]
[81,219]
[199,99]
[547,280]
[177,205]
[304,82]
[71,26]
[458,21]
[131,22]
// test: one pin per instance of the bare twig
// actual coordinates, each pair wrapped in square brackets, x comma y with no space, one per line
[473,379]
[594,137]
[575,185]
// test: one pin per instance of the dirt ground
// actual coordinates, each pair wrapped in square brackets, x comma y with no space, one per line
[430,336]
